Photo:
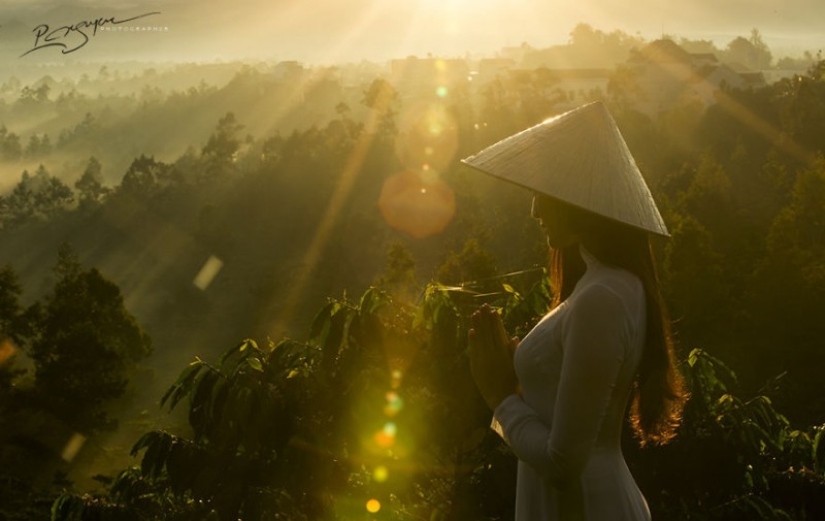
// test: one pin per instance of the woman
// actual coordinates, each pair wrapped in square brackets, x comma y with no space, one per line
[560,396]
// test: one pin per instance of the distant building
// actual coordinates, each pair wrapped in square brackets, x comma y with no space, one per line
[703,59]
[665,74]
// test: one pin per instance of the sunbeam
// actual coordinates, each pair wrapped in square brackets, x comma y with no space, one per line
[337,201]
[768,131]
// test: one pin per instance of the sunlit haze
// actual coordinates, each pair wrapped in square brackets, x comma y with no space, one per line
[331,31]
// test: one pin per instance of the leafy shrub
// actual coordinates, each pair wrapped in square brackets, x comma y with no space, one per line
[377,411]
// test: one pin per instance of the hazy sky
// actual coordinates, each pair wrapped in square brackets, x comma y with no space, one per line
[350,30]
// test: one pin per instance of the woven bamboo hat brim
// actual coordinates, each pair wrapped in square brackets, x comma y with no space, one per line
[578,157]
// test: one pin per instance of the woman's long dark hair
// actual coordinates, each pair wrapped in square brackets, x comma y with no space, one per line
[659,392]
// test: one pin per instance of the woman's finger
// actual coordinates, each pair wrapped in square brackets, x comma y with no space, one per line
[482,326]
[496,331]
[514,342]
[499,332]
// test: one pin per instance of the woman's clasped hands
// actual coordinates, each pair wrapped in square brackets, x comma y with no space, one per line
[491,356]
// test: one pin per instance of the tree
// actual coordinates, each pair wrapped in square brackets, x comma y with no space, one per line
[585,35]
[698,46]
[82,132]
[36,198]
[141,180]
[472,264]
[53,197]
[382,98]
[791,292]
[589,47]
[38,146]
[399,274]
[221,150]
[86,344]
[18,206]
[751,52]
[10,147]
[15,331]
[623,88]
[14,321]
[694,283]
[90,185]
[708,198]
[41,93]
[762,53]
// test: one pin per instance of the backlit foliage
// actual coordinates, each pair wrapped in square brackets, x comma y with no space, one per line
[377,412]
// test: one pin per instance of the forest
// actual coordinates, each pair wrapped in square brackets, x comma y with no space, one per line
[249,299]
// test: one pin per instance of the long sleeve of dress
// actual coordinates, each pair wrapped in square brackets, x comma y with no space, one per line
[594,341]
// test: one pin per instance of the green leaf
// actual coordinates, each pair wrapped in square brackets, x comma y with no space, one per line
[693,357]
[182,384]
[255,364]
[149,461]
[144,441]
[240,349]
[816,452]
[372,300]
[220,392]
[320,324]
[67,508]
[201,399]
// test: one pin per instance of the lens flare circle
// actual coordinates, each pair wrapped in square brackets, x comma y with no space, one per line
[390,429]
[373,506]
[380,474]
[394,404]
[418,205]
[384,440]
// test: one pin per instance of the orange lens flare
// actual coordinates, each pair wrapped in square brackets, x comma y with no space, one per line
[415,205]
[384,440]
[7,351]
[373,506]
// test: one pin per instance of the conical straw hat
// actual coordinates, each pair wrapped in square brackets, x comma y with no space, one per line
[578,157]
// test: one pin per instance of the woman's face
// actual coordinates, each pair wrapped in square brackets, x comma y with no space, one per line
[554,220]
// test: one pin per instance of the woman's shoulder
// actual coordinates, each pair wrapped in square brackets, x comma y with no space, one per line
[608,285]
